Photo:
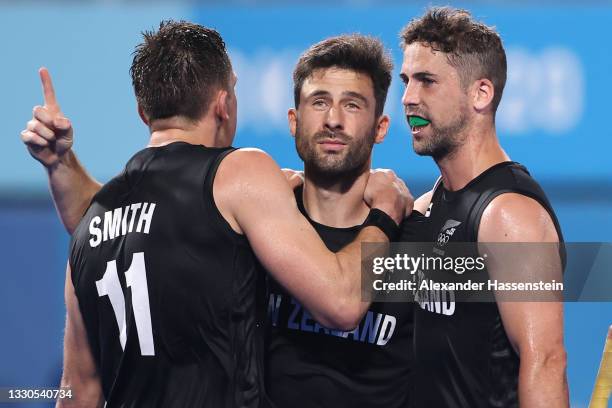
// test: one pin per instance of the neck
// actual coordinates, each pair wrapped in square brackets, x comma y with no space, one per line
[480,151]
[178,129]
[336,202]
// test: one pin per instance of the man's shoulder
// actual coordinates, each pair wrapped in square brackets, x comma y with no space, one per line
[516,217]
[245,157]
[245,180]
[246,165]
[111,190]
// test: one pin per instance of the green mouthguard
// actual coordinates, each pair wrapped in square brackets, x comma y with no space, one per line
[417,121]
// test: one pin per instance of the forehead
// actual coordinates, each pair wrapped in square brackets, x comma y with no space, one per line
[420,58]
[338,80]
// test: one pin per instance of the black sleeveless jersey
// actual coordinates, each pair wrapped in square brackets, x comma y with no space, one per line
[172,298]
[463,357]
[309,365]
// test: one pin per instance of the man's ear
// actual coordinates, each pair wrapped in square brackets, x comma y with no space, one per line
[221,107]
[292,118]
[143,116]
[483,94]
[381,128]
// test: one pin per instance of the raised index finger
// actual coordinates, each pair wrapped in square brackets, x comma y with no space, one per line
[48,92]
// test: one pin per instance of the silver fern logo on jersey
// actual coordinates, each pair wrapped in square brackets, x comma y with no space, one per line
[447,231]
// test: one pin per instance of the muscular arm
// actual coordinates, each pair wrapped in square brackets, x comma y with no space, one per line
[72,189]
[48,137]
[80,372]
[252,194]
[535,329]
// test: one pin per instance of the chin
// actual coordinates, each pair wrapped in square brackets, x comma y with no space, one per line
[422,153]
[420,149]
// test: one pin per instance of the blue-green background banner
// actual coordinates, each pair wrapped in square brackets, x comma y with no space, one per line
[554,118]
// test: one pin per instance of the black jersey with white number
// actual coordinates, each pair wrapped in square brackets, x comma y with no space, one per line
[463,357]
[309,365]
[172,298]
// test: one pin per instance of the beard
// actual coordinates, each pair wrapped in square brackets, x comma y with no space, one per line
[348,162]
[444,140]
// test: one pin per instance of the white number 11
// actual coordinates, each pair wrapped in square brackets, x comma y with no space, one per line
[135,278]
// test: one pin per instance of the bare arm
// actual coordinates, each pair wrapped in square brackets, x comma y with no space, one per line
[253,196]
[80,372]
[48,137]
[535,329]
[72,189]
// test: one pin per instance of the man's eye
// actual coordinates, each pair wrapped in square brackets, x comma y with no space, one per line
[428,81]
[319,103]
[352,105]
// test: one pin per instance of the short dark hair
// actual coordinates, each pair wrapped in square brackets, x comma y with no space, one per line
[176,70]
[473,48]
[355,52]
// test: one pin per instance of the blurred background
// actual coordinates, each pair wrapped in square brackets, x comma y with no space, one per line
[554,118]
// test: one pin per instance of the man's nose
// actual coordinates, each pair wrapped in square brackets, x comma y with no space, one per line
[334,120]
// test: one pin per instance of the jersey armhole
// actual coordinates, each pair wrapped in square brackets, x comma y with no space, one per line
[436,185]
[209,198]
[434,192]
[476,216]
[484,201]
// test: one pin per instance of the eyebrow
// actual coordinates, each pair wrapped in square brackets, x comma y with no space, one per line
[351,94]
[318,93]
[356,95]
[418,75]
[424,75]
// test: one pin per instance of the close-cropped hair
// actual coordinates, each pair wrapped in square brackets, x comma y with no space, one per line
[177,69]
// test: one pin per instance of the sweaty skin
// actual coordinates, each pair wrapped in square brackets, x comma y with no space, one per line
[535,330]
[253,196]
